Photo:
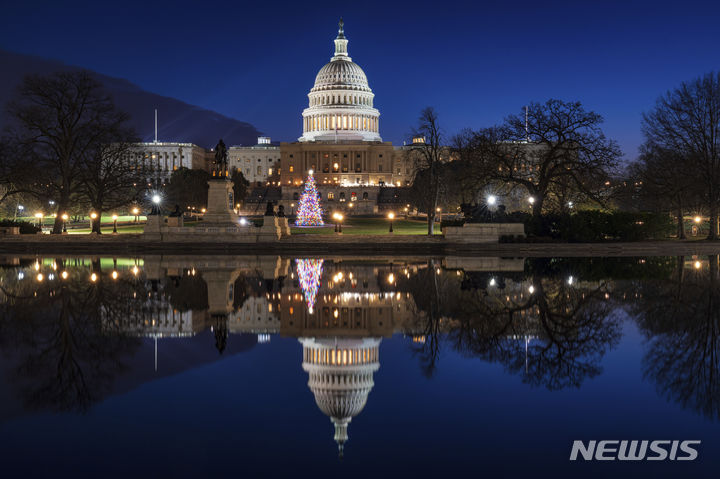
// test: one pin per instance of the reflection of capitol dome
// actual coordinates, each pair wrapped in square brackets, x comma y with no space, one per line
[341,377]
[341,102]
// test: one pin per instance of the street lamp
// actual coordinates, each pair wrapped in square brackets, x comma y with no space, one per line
[114,218]
[697,219]
[39,217]
[136,213]
[64,218]
[338,217]
[18,207]
[491,200]
[93,217]
[531,200]
[391,216]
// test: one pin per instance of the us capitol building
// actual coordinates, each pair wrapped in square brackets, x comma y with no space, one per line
[355,170]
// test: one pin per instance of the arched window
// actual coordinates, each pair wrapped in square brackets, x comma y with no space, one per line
[365,195]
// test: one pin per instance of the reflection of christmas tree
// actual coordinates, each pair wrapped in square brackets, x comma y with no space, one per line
[309,211]
[309,271]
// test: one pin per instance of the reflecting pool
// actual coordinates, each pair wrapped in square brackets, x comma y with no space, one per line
[270,366]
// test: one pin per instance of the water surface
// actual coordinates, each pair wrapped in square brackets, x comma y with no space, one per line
[267,366]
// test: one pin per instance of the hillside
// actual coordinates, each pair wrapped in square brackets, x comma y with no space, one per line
[178,121]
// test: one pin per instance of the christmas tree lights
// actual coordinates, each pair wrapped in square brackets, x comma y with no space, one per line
[309,272]
[309,210]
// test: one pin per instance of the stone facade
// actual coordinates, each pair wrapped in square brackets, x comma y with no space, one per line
[258,163]
[157,160]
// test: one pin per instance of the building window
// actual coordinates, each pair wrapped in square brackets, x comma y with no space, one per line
[353,196]
[331,196]
[365,195]
[292,168]
[342,196]
[380,167]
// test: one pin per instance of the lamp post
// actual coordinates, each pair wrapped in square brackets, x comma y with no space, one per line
[114,218]
[338,217]
[39,217]
[64,218]
[136,213]
[391,216]
[93,217]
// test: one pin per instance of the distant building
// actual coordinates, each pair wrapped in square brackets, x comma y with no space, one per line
[157,160]
[257,163]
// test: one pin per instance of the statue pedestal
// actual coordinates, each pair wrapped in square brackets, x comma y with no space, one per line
[220,202]
[153,226]
[284,226]
[175,221]
[270,230]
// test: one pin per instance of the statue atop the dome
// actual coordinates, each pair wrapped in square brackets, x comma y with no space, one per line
[220,165]
[341,31]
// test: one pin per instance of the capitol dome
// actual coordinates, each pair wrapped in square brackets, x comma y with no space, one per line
[341,101]
[340,376]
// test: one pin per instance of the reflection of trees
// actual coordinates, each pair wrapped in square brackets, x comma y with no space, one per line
[681,320]
[61,333]
[556,335]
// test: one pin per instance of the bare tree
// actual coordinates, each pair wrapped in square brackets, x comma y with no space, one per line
[109,180]
[660,180]
[62,123]
[686,122]
[550,150]
[428,159]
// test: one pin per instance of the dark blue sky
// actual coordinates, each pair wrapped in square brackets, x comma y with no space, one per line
[474,61]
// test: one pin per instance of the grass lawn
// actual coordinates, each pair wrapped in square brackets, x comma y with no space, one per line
[370,226]
[351,226]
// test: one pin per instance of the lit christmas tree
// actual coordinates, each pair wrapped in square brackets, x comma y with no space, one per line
[309,210]
[309,272]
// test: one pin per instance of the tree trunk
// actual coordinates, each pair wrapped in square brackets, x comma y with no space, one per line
[96,223]
[62,207]
[431,222]
[681,224]
[537,207]
[712,235]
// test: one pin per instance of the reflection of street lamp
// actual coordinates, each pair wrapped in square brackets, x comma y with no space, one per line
[114,218]
[64,218]
[391,216]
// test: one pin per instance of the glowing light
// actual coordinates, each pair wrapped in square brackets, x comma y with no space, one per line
[698,265]
[64,275]
[37,265]
[135,211]
[531,200]
[309,211]
[391,215]
[93,215]
[243,221]
[309,273]
[65,217]
[38,215]
[391,278]
[491,200]
[135,270]
[114,217]
[531,289]
[39,277]
[93,277]
[492,282]
[114,275]
[570,280]
[156,199]
[697,219]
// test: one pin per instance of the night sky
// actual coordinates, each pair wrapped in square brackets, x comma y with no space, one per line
[474,62]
